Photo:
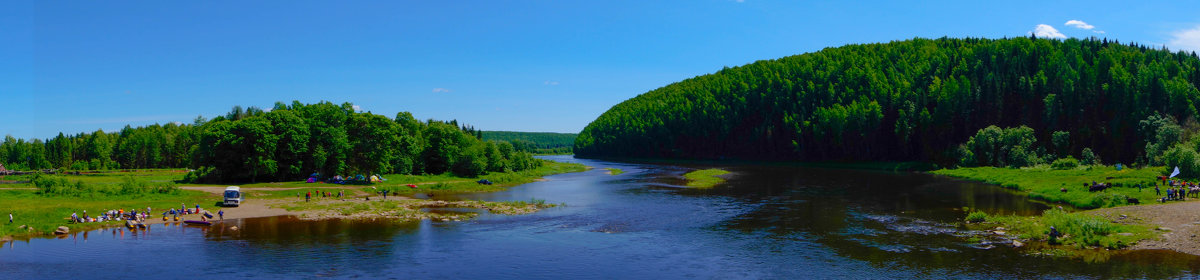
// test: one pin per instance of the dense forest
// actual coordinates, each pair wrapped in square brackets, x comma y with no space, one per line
[287,142]
[539,143]
[929,100]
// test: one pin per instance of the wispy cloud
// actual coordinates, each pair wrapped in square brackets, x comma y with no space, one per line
[356,107]
[1083,25]
[1187,39]
[1047,31]
[436,90]
[550,83]
[1079,24]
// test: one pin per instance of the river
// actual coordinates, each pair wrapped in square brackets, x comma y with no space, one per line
[775,222]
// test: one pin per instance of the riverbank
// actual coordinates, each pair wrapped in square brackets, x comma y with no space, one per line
[37,215]
[1124,216]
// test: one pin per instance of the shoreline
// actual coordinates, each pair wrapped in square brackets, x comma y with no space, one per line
[268,200]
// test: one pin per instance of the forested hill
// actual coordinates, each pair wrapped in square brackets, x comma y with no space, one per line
[535,142]
[918,99]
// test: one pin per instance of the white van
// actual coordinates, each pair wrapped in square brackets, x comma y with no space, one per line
[233,196]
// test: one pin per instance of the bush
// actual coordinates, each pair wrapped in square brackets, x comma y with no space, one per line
[977,217]
[1085,230]
[1089,158]
[1185,158]
[1065,163]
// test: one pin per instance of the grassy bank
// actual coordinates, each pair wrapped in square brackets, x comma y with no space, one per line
[411,209]
[614,171]
[443,184]
[42,208]
[1047,184]
[42,214]
[705,178]
[1079,230]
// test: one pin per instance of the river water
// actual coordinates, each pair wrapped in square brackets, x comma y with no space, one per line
[775,222]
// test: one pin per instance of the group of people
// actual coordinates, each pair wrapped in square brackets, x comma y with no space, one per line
[308,196]
[108,215]
[184,210]
[1177,190]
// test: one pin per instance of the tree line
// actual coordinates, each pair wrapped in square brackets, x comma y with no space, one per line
[287,142]
[918,100]
[540,143]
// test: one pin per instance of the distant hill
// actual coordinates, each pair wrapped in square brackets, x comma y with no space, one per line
[535,142]
[913,100]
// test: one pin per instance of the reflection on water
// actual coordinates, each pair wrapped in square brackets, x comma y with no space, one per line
[765,222]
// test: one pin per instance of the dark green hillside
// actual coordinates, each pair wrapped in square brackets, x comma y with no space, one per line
[908,100]
[535,142]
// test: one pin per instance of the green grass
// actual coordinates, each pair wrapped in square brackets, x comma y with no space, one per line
[410,209]
[615,171]
[43,214]
[449,184]
[105,177]
[1079,229]
[977,217]
[705,178]
[1045,183]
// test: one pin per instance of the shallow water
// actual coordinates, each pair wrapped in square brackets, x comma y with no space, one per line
[765,222]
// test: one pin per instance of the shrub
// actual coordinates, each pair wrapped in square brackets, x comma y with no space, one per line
[1065,163]
[1085,230]
[1088,157]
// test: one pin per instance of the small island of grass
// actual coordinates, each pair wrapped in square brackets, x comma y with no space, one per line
[705,178]
[614,171]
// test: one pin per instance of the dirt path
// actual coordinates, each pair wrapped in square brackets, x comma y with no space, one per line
[1178,222]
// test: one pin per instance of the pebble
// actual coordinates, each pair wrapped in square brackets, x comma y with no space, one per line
[1017,244]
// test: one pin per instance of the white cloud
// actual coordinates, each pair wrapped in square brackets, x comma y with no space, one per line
[268,109]
[1083,25]
[550,83]
[1186,40]
[1046,31]
[1079,24]
[436,90]
[177,123]
[356,107]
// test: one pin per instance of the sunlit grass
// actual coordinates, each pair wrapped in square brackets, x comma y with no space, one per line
[706,178]
[1046,184]
[614,171]
[1078,229]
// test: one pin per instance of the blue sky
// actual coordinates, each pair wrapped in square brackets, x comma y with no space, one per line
[78,66]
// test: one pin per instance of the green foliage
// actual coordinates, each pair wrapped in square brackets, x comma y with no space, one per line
[1084,230]
[1012,147]
[1066,163]
[1089,158]
[1185,157]
[912,100]
[1062,143]
[1159,133]
[977,217]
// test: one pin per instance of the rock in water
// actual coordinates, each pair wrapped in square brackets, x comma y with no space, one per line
[1017,244]
[62,230]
